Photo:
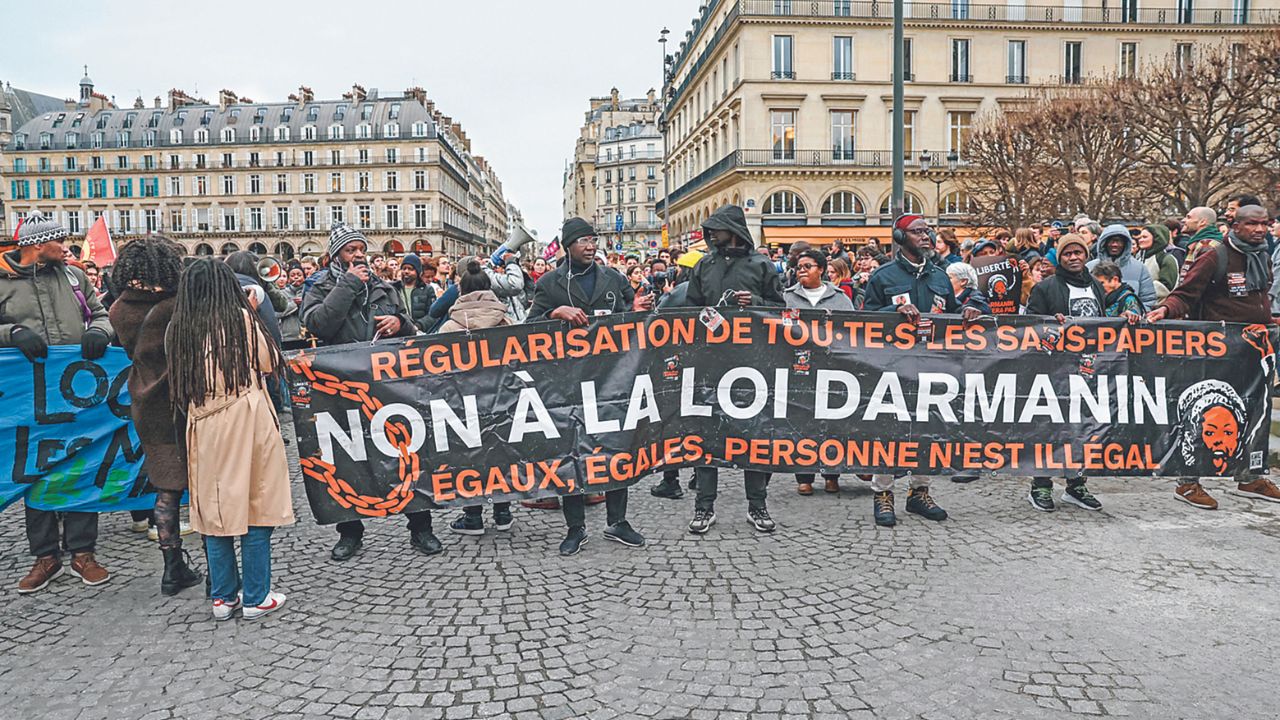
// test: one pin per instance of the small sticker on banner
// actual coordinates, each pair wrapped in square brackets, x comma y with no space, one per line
[939,304]
[1255,460]
[711,318]
[802,364]
[671,368]
[301,395]
[602,313]
[1236,285]
[790,317]
[901,299]
[1087,367]
[924,330]
[1051,338]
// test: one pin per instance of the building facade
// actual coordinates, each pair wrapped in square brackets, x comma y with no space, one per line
[616,171]
[785,107]
[268,177]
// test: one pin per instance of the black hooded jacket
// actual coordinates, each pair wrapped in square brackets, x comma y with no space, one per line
[718,272]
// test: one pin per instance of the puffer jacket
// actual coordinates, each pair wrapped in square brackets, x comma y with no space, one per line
[1133,272]
[42,299]
[476,311]
[832,298]
[717,273]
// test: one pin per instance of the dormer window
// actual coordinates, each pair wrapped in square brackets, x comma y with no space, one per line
[181,119]
[97,139]
[228,135]
[309,132]
[394,114]
[282,133]
[129,118]
[57,122]
[202,135]
[46,140]
[155,119]
[206,117]
[255,133]
[175,137]
[103,119]
[286,115]
[260,116]
[340,112]
[20,141]
[335,132]
[364,131]
[72,140]
[419,129]
[122,139]
[313,113]
[366,111]
[391,130]
[234,116]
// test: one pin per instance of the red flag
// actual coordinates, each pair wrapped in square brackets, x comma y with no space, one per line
[550,253]
[17,229]
[98,246]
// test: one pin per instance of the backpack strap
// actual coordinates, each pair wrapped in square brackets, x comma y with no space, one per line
[86,315]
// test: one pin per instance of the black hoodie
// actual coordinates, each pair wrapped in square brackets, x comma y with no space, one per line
[720,270]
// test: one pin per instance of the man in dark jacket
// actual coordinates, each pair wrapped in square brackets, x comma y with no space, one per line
[1237,293]
[415,297]
[349,304]
[45,302]
[1069,292]
[906,285]
[733,274]
[575,292]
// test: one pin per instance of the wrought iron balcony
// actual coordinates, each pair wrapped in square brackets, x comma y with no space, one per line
[961,11]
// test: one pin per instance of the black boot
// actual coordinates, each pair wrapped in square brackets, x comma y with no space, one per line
[177,574]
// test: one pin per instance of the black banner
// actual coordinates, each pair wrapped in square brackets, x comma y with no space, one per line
[532,410]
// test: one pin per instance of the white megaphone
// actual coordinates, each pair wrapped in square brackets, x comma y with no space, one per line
[518,238]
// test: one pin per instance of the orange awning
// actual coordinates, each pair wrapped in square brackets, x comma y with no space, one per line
[850,235]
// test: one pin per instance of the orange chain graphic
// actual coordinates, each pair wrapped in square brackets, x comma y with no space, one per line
[397,434]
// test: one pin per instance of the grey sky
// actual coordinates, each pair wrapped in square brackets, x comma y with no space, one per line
[517,75]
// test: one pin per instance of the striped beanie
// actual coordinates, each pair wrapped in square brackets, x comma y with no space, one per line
[37,229]
[343,235]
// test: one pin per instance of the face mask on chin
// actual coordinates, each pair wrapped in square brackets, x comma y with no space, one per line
[734,251]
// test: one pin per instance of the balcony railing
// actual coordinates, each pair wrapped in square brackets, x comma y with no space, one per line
[838,75]
[964,11]
[1015,79]
[961,78]
[783,75]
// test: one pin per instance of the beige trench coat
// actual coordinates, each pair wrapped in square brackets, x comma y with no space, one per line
[235,460]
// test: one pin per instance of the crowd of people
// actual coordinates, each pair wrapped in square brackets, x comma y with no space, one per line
[206,337]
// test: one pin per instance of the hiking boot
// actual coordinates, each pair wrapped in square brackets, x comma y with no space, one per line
[670,492]
[425,542]
[42,573]
[468,525]
[502,519]
[1194,495]
[85,566]
[1080,496]
[623,533]
[177,572]
[1041,498]
[1260,489]
[882,506]
[759,517]
[805,488]
[920,503]
[346,548]
[702,521]
[574,541]
[832,486]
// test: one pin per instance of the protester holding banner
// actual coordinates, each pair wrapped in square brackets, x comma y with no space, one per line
[45,302]
[146,276]
[734,275]
[1228,282]
[351,305]
[220,363]
[575,292]
[812,292]
[904,286]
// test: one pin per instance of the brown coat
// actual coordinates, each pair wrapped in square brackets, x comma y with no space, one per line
[142,318]
[235,458]
[1197,287]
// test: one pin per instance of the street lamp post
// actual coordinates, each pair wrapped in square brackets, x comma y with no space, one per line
[899,133]
[926,163]
[662,128]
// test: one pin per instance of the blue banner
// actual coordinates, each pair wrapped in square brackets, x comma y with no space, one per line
[66,439]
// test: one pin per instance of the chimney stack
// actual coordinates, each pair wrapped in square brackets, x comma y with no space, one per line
[226,98]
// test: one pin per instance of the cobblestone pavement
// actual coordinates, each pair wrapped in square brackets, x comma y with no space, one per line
[1149,609]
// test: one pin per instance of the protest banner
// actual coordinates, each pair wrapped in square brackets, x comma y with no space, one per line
[1000,280]
[65,437]
[526,411]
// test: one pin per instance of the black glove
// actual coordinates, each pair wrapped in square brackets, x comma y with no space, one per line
[31,343]
[93,344]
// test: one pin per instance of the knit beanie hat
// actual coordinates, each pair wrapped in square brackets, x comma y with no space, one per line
[1068,240]
[412,261]
[343,235]
[37,229]
[574,230]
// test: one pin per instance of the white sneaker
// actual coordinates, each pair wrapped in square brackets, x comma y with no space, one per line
[223,610]
[184,528]
[139,526]
[273,602]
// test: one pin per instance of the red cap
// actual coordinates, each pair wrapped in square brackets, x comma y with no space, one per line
[903,222]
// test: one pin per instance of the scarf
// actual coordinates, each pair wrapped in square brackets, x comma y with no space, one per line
[1078,279]
[1257,271]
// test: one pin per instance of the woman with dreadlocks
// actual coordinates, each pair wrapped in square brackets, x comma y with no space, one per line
[146,281]
[220,364]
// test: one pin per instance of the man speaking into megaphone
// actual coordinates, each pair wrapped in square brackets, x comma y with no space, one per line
[506,278]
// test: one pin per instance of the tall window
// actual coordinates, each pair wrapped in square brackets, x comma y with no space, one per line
[842,135]
[282,218]
[392,214]
[309,217]
[1071,62]
[960,60]
[419,179]
[1184,12]
[1016,65]
[309,183]
[842,54]
[1239,11]
[959,9]
[1128,11]
[1182,54]
[908,132]
[255,184]
[782,67]
[783,126]
[958,125]
[1128,68]
[421,216]
[391,181]
[228,185]
[907,74]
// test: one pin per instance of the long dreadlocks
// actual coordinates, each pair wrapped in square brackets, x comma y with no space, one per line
[154,262]
[207,334]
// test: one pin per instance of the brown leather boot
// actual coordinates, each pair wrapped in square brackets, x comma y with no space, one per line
[832,486]
[42,573]
[86,567]
[804,488]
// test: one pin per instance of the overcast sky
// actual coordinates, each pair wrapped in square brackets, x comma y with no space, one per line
[516,73]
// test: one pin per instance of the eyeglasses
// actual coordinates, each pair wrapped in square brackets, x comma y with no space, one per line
[806,266]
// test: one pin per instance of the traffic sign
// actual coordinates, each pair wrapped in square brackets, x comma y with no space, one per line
[617,224]
[653,243]
[618,246]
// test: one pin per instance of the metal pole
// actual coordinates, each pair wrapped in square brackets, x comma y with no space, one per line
[899,140]
[662,127]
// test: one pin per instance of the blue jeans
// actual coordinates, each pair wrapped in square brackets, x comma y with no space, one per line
[255,559]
